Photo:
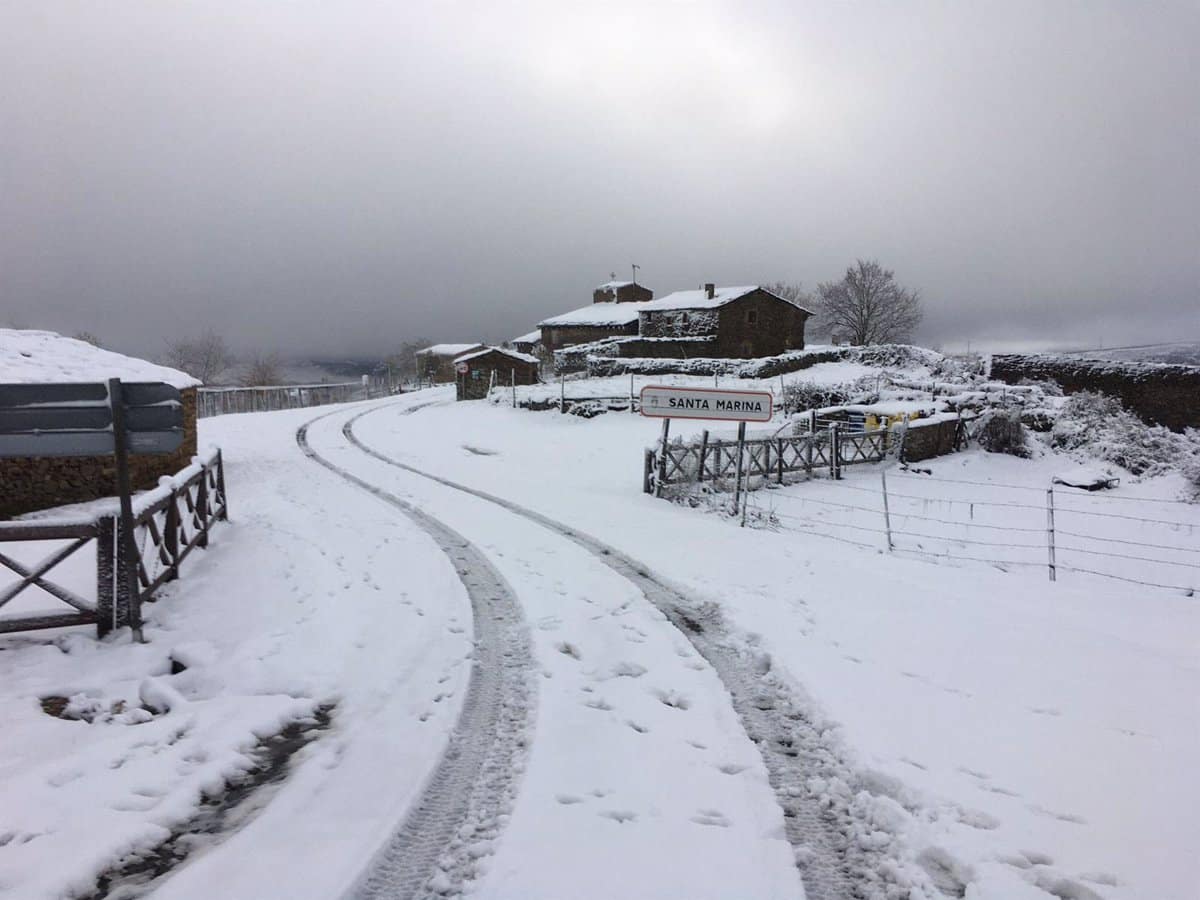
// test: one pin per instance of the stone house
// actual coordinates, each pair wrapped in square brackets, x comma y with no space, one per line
[435,365]
[43,357]
[726,322]
[477,371]
[529,343]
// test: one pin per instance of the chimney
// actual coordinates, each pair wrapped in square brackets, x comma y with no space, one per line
[710,289]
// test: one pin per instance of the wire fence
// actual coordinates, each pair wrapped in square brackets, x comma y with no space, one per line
[1070,530]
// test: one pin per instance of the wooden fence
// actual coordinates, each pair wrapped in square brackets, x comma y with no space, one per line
[217,401]
[771,459]
[169,523]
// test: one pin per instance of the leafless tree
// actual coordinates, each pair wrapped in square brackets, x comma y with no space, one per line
[206,357]
[794,292]
[263,369]
[868,306]
[404,361]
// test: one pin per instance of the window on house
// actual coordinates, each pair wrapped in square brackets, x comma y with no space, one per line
[751,316]
[684,319]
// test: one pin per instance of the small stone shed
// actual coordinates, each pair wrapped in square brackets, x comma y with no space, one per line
[43,357]
[435,364]
[476,372]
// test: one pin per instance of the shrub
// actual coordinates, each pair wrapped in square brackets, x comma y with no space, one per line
[1001,431]
[1101,427]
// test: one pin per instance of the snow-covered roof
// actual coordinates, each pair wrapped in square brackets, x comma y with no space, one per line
[531,338]
[448,349]
[699,299]
[598,314]
[40,357]
[525,357]
[612,285]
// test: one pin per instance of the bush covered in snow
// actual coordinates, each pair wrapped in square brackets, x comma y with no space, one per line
[1099,427]
[1191,474]
[1001,431]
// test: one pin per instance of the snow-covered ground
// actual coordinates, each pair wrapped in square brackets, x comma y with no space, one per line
[1008,737]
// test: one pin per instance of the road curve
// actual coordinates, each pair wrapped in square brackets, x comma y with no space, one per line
[477,777]
[801,758]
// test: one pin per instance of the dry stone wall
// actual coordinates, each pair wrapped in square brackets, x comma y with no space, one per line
[1160,394]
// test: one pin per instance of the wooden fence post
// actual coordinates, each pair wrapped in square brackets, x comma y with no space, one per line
[223,513]
[703,454]
[106,535]
[780,460]
[562,393]
[171,535]
[202,508]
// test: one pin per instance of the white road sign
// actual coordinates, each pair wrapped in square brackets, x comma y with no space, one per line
[706,403]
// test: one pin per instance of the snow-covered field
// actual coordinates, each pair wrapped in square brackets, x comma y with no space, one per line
[989,733]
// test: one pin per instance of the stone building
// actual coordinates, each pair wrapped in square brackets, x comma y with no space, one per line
[492,366]
[724,322]
[43,357]
[435,365]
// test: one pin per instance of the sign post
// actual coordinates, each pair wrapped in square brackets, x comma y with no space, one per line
[666,403]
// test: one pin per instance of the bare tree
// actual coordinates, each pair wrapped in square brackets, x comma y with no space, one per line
[403,362]
[263,369]
[868,306]
[206,357]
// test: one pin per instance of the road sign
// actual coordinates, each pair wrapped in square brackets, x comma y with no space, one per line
[461,368]
[77,419]
[706,403]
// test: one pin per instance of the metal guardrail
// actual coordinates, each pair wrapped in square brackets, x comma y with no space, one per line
[218,401]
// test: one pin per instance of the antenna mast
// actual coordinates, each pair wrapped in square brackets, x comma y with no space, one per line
[635,268]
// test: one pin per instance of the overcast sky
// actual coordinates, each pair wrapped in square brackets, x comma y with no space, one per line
[340,177]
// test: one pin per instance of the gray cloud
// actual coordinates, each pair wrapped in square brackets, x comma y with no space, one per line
[342,177]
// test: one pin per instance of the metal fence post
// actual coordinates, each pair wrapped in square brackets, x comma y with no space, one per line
[662,459]
[1050,532]
[741,447]
[887,517]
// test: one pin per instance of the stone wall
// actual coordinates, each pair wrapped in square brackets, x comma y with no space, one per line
[556,337]
[925,440]
[1161,394]
[32,483]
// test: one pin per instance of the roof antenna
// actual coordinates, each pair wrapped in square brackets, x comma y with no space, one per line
[635,268]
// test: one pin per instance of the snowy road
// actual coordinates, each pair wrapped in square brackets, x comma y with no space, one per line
[640,780]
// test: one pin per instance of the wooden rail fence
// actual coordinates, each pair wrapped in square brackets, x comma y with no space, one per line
[170,523]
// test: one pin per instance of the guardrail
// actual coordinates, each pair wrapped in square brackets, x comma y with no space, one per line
[169,522]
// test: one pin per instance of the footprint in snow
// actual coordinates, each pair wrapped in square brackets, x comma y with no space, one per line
[619,815]
[627,669]
[569,799]
[731,768]
[568,649]
[1045,711]
[710,817]
[598,703]
[673,699]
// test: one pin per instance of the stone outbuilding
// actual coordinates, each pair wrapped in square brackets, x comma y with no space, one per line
[43,357]
[435,365]
[529,343]
[476,372]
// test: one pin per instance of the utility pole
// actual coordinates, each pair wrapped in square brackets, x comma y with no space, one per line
[635,268]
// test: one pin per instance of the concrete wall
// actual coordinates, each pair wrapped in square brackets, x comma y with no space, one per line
[32,483]
[1161,394]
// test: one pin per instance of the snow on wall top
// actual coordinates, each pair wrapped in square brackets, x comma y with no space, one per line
[39,357]
[531,338]
[598,314]
[512,353]
[447,349]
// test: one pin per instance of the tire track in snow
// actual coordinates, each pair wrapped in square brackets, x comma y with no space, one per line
[469,795]
[827,823]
